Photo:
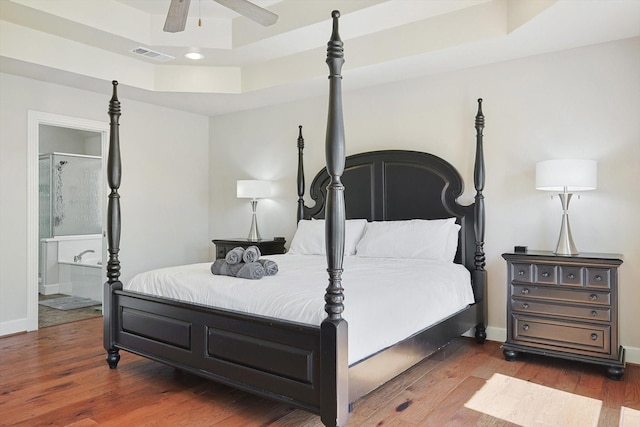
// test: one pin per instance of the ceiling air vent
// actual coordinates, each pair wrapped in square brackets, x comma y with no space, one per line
[151,54]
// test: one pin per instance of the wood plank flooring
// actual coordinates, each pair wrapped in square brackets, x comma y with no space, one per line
[58,376]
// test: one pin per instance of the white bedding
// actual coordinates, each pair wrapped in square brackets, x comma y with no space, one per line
[386,300]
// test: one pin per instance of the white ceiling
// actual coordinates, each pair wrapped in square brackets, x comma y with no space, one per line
[87,43]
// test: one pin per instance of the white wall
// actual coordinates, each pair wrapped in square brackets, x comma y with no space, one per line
[584,103]
[581,103]
[164,192]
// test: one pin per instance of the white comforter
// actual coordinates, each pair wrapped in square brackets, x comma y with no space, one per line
[386,300]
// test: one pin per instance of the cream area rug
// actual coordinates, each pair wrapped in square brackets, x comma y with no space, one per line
[629,417]
[529,404]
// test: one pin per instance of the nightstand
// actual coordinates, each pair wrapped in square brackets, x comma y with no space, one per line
[266,246]
[564,306]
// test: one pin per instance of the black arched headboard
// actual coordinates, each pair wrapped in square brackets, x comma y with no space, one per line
[390,185]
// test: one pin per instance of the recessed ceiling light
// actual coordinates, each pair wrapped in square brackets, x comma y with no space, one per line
[194,55]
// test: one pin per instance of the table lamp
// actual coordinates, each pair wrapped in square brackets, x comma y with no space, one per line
[566,176]
[253,189]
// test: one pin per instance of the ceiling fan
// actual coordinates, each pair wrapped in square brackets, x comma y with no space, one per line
[178,10]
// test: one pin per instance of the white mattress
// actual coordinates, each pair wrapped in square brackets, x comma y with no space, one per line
[386,300]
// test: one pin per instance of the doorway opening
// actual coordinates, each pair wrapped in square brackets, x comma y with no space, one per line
[66,243]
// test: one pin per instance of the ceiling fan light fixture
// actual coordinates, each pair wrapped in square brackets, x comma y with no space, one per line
[179,9]
[194,55]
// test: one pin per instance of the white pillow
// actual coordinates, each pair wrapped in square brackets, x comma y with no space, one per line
[424,239]
[309,237]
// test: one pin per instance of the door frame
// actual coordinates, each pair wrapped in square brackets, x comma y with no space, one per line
[34,120]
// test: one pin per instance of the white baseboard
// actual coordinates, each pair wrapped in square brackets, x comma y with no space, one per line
[496,334]
[50,289]
[13,326]
[632,355]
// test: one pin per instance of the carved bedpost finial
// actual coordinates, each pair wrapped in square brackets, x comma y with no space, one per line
[335,50]
[300,138]
[478,180]
[114,103]
[479,117]
[301,184]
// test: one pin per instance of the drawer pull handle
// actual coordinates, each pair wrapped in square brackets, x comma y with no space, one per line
[521,273]
[594,337]
[598,278]
[571,276]
[525,305]
[545,274]
[594,313]
[526,328]
[525,291]
[593,297]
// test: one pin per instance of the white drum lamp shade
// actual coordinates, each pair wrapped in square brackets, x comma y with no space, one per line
[565,177]
[253,189]
[575,175]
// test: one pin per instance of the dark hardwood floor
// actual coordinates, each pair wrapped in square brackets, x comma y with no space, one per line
[58,376]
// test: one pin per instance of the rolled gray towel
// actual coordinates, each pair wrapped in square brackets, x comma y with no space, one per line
[234,256]
[251,270]
[221,267]
[270,267]
[251,254]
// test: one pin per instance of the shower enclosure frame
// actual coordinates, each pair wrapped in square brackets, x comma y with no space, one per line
[52,183]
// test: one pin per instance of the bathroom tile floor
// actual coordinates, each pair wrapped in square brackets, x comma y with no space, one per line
[50,316]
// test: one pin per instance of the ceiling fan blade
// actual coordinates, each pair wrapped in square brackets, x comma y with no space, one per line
[177,16]
[251,11]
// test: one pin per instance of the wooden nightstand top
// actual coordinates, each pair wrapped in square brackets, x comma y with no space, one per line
[585,256]
[244,241]
[266,246]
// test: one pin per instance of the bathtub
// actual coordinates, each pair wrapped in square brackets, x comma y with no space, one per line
[72,265]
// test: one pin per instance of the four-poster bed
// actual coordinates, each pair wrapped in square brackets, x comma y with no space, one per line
[308,365]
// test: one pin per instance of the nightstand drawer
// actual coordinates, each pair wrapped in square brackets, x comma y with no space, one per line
[221,251]
[598,278]
[545,274]
[561,294]
[559,334]
[571,275]
[602,314]
[521,272]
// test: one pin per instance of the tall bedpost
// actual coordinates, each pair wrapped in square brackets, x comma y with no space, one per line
[300,174]
[113,231]
[479,273]
[333,341]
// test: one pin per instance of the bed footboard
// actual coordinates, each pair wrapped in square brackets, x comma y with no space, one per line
[275,359]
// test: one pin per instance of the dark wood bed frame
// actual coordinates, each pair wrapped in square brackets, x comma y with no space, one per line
[303,365]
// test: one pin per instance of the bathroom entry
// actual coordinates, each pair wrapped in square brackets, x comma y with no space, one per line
[69,224]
